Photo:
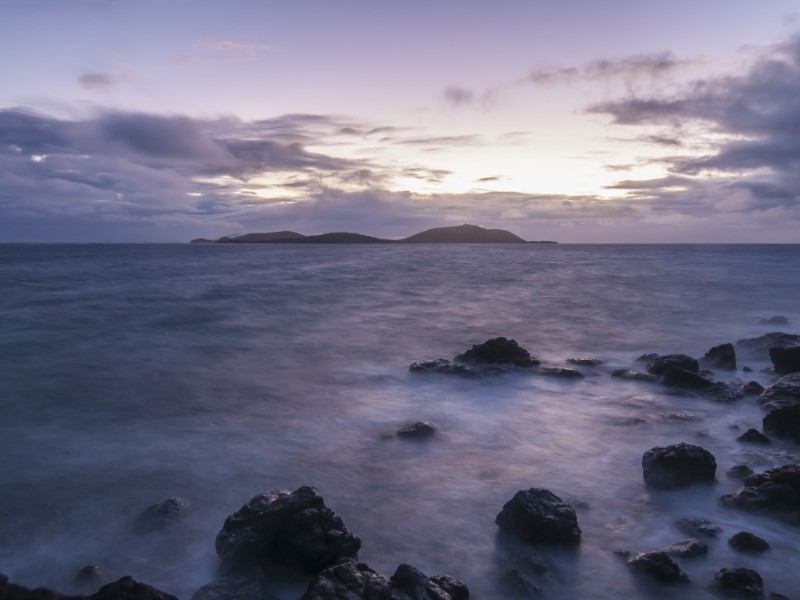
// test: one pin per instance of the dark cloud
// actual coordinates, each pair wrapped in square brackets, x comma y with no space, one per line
[99,81]
[641,65]
[438,142]
[458,96]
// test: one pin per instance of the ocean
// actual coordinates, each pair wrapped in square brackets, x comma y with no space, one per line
[134,373]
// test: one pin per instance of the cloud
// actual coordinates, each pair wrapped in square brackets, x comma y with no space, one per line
[652,65]
[100,81]
[457,96]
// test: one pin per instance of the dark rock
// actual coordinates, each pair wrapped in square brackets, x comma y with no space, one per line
[659,566]
[585,361]
[753,436]
[294,530]
[529,577]
[721,392]
[10,591]
[348,580]
[785,359]
[776,490]
[752,388]
[161,515]
[420,429]
[784,392]
[784,422]
[679,377]
[90,576]
[678,465]
[721,357]
[232,588]
[515,583]
[538,516]
[694,526]
[559,372]
[633,375]
[739,472]
[747,370]
[662,363]
[128,589]
[739,581]
[498,351]
[745,541]
[758,347]
[777,320]
[646,358]
[440,365]
[687,548]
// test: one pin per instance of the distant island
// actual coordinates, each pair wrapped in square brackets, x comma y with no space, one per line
[459,234]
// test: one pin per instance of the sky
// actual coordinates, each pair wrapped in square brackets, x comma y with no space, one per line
[577,121]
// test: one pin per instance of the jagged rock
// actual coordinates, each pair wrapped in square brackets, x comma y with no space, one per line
[420,429]
[161,515]
[128,589]
[776,490]
[784,392]
[758,347]
[659,566]
[349,580]
[739,581]
[10,591]
[687,548]
[695,526]
[498,351]
[785,359]
[784,422]
[538,516]
[659,365]
[294,530]
[678,465]
[739,472]
[777,320]
[633,375]
[559,372]
[721,357]
[745,541]
[752,388]
[585,361]
[753,436]
[440,365]
[679,377]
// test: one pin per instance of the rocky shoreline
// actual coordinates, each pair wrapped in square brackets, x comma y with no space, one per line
[294,536]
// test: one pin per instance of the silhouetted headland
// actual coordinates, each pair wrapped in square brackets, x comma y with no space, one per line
[459,234]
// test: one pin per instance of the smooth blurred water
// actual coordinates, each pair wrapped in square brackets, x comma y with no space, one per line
[132,373]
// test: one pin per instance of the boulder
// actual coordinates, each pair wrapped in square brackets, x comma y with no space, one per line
[498,351]
[349,580]
[688,548]
[776,490]
[659,566]
[752,388]
[695,526]
[784,392]
[679,377]
[161,515]
[744,541]
[633,375]
[785,359]
[784,422]
[440,365]
[128,589]
[753,436]
[292,530]
[539,516]
[677,466]
[662,363]
[420,429]
[739,581]
[721,357]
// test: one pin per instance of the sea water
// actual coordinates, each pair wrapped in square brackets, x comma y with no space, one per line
[134,373]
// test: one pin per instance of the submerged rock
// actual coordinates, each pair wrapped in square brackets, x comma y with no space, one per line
[585,361]
[695,526]
[539,516]
[634,375]
[739,581]
[784,392]
[687,548]
[785,359]
[677,466]
[161,515]
[759,346]
[744,541]
[128,589]
[752,388]
[753,436]
[498,351]
[721,357]
[659,365]
[559,372]
[294,530]
[247,587]
[776,320]
[659,566]
[420,429]
[775,490]
[440,365]
[784,422]
[739,472]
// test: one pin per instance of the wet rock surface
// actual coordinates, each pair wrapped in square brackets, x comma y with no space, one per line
[721,357]
[677,466]
[775,490]
[659,365]
[744,541]
[440,365]
[739,581]
[784,392]
[294,530]
[161,515]
[420,429]
[784,422]
[498,351]
[785,359]
[659,566]
[539,516]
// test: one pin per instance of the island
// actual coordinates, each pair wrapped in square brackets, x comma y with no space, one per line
[459,234]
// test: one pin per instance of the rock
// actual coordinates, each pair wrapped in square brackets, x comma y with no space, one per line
[777,320]
[294,530]
[753,436]
[539,516]
[752,388]
[776,490]
[440,365]
[785,359]
[662,363]
[784,392]
[633,375]
[695,526]
[678,465]
[161,515]
[659,566]
[348,580]
[648,357]
[758,347]
[721,357]
[128,589]
[745,541]
[687,548]
[559,372]
[249,587]
[739,581]
[498,351]
[420,429]
[90,576]
[784,422]
[585,361]
[528,578]
[10,591]
[679,377]
[739,472]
